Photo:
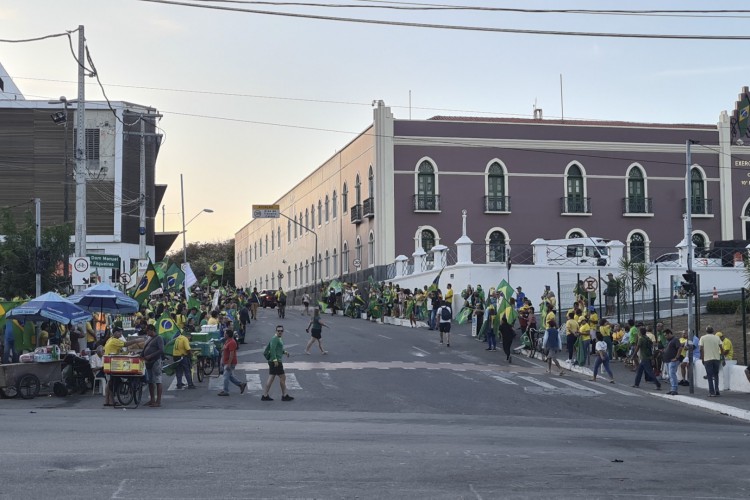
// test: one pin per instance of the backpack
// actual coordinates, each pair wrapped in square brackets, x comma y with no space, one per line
[282,298]
[267,352]
[445,313]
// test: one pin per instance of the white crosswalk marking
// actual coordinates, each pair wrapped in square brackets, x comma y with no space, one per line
[291,382]
[216,383]
[253,382]
[578,386]
[325,379]
[611,387]
[502,379]
[538,382]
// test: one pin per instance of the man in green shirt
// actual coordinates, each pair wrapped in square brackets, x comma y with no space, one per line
[645,352]
[275,354]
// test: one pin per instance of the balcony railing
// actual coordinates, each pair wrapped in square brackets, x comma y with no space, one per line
[637,205]
[427,202]
[699,206]
[356,212]
[368,207]
[497,203]
[575,205]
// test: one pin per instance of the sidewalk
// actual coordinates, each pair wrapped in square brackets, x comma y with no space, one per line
[733,403]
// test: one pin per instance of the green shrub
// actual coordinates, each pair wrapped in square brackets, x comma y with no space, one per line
[725,306]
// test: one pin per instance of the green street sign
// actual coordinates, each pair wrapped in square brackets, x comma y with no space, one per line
[100,260]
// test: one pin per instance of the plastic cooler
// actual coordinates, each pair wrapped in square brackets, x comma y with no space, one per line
[117,364]
[202,348]
[204,336]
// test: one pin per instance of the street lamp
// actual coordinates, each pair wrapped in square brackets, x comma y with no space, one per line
[61,118]
[184,225]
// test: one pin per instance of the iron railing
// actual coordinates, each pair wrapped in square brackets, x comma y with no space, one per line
[497,203]
[575,205]
[637,205]
[699,206]
[427,202]
[356,212]
[368,207]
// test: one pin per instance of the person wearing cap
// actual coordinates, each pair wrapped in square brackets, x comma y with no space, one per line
[610,292]
[727,349]
[710,352]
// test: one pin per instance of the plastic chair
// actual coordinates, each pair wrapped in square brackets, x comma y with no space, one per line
[102,384]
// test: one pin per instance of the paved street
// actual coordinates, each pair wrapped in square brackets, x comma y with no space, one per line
[388,413]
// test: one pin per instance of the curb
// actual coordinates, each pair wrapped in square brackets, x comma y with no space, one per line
[731,411]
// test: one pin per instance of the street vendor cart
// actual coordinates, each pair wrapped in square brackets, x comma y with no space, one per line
[127,374]
[26,379]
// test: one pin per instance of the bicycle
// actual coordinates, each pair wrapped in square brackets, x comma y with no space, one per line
[128,389]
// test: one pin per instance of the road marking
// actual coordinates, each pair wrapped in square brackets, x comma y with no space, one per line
[708,405]
[611,387]
[291,382]
[578,386]
[253,382]
[502,379]
[420,350]
[539,382]
[325,379]
[384,336]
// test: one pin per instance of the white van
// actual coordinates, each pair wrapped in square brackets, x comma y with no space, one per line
[578,252]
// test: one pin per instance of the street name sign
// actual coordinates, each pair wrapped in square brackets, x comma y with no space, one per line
[265,212]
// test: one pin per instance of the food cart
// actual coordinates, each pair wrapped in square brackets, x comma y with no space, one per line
[26,379]
[126,372]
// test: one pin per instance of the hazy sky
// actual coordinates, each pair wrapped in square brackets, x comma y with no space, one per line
[252,103]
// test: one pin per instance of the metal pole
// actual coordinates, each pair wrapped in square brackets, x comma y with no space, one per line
[744,326]
[163,217]
[37,253]
[656,314]
[184,240]
[657,309]
[142,190]
[80,172]
[689,242]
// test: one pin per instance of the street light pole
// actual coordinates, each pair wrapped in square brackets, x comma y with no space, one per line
[689,242]
[184,225]
[316,263]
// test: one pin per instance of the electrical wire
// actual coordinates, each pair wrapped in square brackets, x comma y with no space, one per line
[454,27]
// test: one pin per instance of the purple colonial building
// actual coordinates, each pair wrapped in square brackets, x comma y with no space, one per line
[400,187]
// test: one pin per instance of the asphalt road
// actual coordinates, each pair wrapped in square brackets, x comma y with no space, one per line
[388,413]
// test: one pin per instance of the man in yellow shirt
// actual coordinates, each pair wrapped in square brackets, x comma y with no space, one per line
[181,353]
[115,343]
[449,295]
[584,331]
[727,349]
[571,331]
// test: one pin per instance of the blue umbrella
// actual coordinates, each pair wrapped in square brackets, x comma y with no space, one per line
[104,298]
[50,306]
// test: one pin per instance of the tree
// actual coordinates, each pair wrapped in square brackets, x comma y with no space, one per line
[202,255]
[19,258]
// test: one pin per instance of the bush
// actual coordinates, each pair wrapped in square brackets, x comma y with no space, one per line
[725,306]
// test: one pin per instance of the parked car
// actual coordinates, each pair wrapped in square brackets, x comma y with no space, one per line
[268,298]
[672,259]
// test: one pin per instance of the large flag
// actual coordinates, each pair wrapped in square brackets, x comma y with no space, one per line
[190,278]
[463,315]
[174,277]
[166,327]
[4,308]
[505,309]
[149,283]
[507,290]
[217,267]
[336,285]
[161,269]
[193,302]
[436,282]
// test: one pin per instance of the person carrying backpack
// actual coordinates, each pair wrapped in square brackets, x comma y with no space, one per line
[445,316]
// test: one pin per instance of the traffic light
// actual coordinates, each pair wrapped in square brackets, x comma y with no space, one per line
[688,286]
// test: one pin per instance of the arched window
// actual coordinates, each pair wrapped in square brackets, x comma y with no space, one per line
[289,276]
[334,205]
[357,192]
[697,192]
[575,234]
[328,262]
[426,198]
[320,266]
[700,244]
[307,219]
[575,201]
[371,249]
[307,271]
[335,263]
[496,200]
[320,212]
[636,192]
[266,244]
[272,240]
[427,238]
[328,206]
[345,258]
[295,227]
[637,248]
[496,247]
[358,250]
[266,281]
[312,215]
[344,199]
[370,184]
[301,280]
[295,275]
[278,237]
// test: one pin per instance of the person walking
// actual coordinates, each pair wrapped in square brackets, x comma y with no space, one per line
[710,349]
[571,329]
[229,361]
[244,322]
[182,354]
[602,358]
[444,315]
[551,344]
[254,301]
[671,359]
[152,352]
[644,349]
[507,333]
[275,352]
[315,328]
[306,303]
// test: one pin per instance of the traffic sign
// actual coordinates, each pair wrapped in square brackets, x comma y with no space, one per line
[125,278]
[101,260]
[81,270]
[265,212]
[357,263]
[590,284]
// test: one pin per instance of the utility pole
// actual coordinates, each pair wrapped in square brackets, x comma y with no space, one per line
[38,250]
[163,217]
[142,194]
[689,241]
[80,172]
[184,237]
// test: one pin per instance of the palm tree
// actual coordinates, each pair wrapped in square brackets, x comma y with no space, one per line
[641,279]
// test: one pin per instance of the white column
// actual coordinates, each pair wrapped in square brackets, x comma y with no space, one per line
[402,262]
[540,252]
[418,257]
[724,203]
[439,255]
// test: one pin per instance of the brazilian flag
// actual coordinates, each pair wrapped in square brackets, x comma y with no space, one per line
[436,282]
[217,267]
[161,269]
[464,315]
[149,282]
[174,277]
[505,309]
[4,308]
[204,281]
[507,290]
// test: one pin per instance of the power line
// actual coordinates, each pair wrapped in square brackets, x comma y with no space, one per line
[455,27]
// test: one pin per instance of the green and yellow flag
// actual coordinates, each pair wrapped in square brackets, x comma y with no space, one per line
[436,282]
[204,281]
[166,327]
[161,269]
[507,290]
[217,267]
[174,277]
[148,283]
[215,283]
[505,309]
[4,308]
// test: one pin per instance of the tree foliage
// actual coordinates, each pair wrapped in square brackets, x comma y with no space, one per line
[202,255]
[18,256]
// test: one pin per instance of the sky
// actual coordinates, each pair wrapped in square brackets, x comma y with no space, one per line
[253,103]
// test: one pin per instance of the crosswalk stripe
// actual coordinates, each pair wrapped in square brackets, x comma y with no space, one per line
[611,387]
[578,386]
[538,382]
[291,382]
[253,382]
[326,381]
[502,379]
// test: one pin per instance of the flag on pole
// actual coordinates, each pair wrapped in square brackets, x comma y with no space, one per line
[174,277]
[506,289]
[166,327]
[217,267]
[463,315]
[436,282]
[161,269]
[149,283]
[190,279]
